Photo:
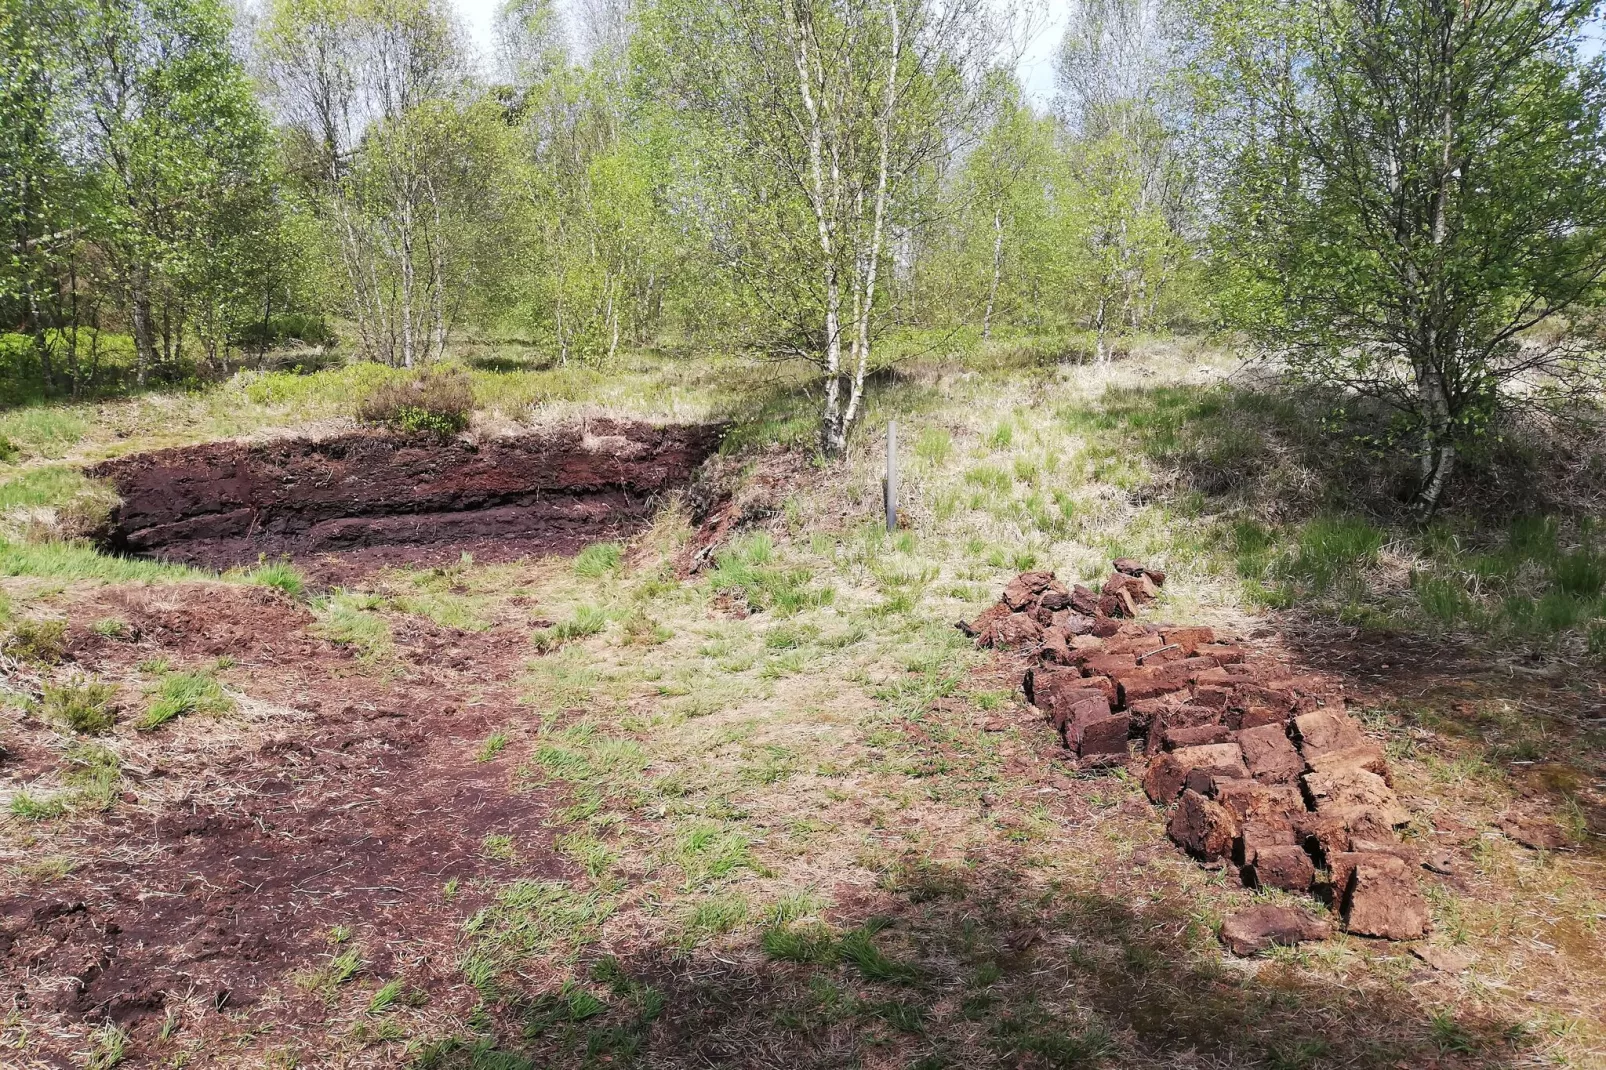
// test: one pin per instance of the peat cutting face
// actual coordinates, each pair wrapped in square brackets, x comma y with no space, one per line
[364,500]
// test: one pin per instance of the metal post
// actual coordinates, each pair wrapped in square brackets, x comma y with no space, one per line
[892,475]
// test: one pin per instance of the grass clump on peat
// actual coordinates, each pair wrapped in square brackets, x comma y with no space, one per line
[85,706]
[182,693]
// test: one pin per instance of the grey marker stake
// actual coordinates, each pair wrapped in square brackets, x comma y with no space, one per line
[891,484]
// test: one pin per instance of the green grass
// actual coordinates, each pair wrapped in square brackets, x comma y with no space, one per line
[446,609]
[713,916]
[493,745]
[341,968]
[350,619]
[49,485]
[859,948]
[73,561]
[108,1047]
[44,430]
[598,560]
[806,943]
[746,570]
[85,706]
[182,693]
[708,852]
[934,445]
[93,775]
[527,918]
[386,996]
[280,574]
[586,621]
[29,807]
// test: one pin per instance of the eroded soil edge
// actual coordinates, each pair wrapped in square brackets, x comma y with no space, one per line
[383,499]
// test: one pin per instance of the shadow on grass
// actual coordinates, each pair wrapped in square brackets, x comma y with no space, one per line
[1299,452]
[973,974]
[784,403]
[1304,504]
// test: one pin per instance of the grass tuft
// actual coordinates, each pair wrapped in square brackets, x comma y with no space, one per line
[183,693]
[82,705]
[281,574]
[586,621]
[598,560]
[41,641]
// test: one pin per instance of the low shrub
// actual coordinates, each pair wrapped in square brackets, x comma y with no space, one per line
[436,403]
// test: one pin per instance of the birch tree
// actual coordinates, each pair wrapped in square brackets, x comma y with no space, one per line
[815,123]
[366,82]
[1121,101]
[1418,186]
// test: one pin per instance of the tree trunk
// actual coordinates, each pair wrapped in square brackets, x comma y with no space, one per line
[1100,353]
[998,260]
[144,341]
[1438,441]
[833,426]
[407,284]
[437,273]
[868,263]
[1438,463]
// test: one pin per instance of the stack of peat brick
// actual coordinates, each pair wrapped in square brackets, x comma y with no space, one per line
[1263,768]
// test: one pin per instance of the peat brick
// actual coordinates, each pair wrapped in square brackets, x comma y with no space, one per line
[1360,798]
[1168,773]
[1197,736]
[1166,713]
[1254,930]
[1056,596]
[1325,731]
[1225,653]
[1382,898]
[1189,639]
[1287,868]
[1270,754]
[1023,591]
[1092,735]
[1103,663]
[1256,717]
[1367,756]
[1261,833]
[1202,827]
[1251,800]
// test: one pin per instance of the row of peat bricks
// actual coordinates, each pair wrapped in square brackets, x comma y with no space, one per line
[1263,769]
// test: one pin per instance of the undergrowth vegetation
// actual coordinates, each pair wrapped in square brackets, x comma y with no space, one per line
[436,403]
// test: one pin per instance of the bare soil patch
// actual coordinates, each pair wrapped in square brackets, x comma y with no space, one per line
[348,798]
[379,499]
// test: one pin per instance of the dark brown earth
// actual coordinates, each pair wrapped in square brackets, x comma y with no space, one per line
[378,499]
[221,871]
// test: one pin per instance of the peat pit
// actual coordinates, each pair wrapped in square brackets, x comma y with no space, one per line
[363,500]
